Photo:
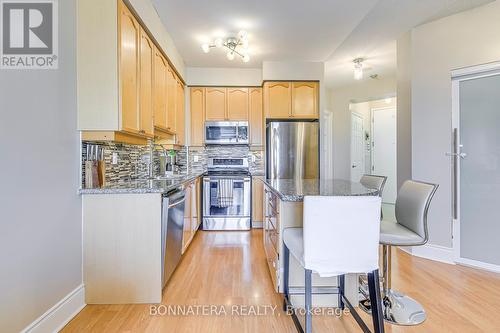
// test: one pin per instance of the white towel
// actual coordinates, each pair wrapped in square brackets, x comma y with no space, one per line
[225,193]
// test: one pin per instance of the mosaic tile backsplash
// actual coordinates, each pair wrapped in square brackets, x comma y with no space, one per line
[133,160]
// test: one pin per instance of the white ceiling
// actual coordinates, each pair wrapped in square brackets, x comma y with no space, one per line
[335,31]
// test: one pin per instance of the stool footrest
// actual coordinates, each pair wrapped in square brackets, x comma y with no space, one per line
[315,290]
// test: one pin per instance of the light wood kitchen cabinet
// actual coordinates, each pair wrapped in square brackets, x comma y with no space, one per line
[196,206]
[171,100]
[237,104]
[197,106]
[257,200]
[129,34]
[277,99]
[305,99]
[256,117]
[192,216]
[187,230]
[127,90]
[146,85]
[180,115]
[298,99]
[215,104]
[160,91]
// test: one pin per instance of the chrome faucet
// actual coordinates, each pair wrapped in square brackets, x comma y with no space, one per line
[151,151]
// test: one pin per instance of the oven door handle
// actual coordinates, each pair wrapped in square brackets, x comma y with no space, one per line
[246,180]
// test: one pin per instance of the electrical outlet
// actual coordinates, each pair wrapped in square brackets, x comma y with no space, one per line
[114,159]
[253,158]
[196,158]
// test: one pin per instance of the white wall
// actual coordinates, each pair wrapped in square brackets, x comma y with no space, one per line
[404,108]
[40,227]
[338,101]
[460,40]
[148,14]
[206,76]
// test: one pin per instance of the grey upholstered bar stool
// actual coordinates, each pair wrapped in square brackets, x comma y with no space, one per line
[376,182]
[412,206]
[330,244]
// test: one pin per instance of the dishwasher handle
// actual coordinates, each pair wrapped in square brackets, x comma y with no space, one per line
[177,203]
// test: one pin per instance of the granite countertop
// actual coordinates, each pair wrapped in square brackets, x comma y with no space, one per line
[295,190]
[142,186]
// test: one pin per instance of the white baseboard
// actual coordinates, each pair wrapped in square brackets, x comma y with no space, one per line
[434,252]
[60,314]
[478,264]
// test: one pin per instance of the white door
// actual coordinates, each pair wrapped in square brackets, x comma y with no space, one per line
[476,157]
[357,148]
[384,150]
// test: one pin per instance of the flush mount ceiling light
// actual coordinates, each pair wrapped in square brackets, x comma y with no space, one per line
[236,46]
[358,68]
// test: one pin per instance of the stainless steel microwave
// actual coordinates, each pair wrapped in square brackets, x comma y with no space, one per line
[226,132]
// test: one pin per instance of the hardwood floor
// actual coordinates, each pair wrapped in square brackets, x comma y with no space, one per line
[227,270]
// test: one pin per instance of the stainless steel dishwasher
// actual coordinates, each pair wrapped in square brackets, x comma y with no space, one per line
[172,228]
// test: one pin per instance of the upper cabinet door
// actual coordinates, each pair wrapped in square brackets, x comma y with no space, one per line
[256,117]
[215,104]
[171,99]
[160,90]
[237,104]
[305,99]
[180,114]
[197,116]
[146,85]
[129,33]
[278,99]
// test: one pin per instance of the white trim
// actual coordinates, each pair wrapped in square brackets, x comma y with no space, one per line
[434,252]
[60,314]
[478,69]
[479,264]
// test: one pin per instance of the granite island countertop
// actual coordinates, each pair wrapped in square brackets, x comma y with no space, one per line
[296,189]
[142,186]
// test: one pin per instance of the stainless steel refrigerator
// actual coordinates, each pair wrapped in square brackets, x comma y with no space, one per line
[292,149]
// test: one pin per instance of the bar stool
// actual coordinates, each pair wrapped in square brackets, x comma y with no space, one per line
[376,182]
[412,206]
[330,244]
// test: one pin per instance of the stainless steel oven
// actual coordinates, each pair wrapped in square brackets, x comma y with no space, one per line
[227,195]
[226,132]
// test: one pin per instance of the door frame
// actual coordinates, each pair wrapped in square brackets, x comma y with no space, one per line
[372,142]
[458,76]
[359,115]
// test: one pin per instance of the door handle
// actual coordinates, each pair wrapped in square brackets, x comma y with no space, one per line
[461,155]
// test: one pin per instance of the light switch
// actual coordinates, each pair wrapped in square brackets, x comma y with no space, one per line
[114,159]
[196,158]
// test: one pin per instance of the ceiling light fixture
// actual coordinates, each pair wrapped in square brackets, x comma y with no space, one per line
[358,68]
[233,44]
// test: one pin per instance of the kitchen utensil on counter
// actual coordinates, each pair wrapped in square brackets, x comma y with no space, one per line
[95,167]
[101,167]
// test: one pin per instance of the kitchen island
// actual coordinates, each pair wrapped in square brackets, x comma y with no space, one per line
[282,208]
